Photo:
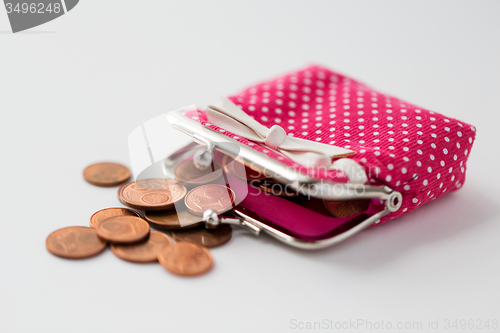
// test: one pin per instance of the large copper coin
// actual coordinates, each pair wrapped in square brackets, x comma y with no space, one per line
[346,208]
[277,188]
[103,214]
[188,174]
[240,170]
[106,174]
[216,197]
[145,251]
[74,243]
[123,229]
[203,236]
[120,191]
[186,259]
[172,219]
[152,194]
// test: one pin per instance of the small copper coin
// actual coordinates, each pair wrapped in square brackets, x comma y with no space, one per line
[277,188]
[103,214]
[143,252]
[203,236]
[187,173]
[216,197]
[346,208]
[186,259]
[123,229]
[106,174]
[74,243]
[152,194]
[240,170]
[172,220]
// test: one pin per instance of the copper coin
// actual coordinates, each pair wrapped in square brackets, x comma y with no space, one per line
[123,229]
[120,191]
[74,243]
[277,188]
[240,170]
[216,197]
[187,173]
[172,219]
[103,214]
[346,208]
[145,251]
[186,259]
[152,194]
[106,174]
[203,236]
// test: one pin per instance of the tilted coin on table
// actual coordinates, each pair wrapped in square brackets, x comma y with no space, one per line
[186,259]
[75,243]
[106,174]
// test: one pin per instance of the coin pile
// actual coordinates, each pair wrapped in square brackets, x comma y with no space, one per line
[167,206]
[175,206]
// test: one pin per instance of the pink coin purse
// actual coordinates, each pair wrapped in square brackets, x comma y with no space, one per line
[330,137]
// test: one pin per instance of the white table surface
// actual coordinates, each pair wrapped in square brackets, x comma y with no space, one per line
[72,90]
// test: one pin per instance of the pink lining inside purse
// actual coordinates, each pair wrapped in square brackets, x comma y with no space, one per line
[304,218]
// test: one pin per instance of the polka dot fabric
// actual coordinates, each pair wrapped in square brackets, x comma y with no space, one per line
[415,151]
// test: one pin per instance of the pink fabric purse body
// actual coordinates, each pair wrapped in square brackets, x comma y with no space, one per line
[417,152]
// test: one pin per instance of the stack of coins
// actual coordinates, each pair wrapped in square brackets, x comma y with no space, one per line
[167,206]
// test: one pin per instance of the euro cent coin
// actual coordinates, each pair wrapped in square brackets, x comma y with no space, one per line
[123,229]
[346,208]
[75,242]
[206,237]
[106,174]
[186,259]
[218,198]
[152,194]
[172,219]
[187,173]
[146,251]
[103,214]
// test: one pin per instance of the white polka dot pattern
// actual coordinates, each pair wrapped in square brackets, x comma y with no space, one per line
[415,151]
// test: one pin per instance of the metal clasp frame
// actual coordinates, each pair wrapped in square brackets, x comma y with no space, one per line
[203,157]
